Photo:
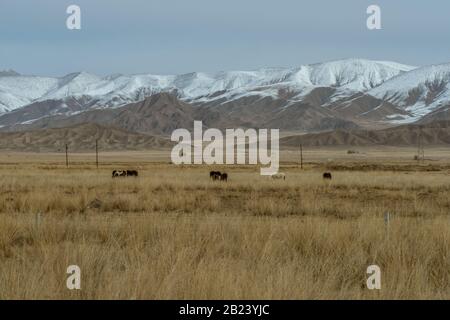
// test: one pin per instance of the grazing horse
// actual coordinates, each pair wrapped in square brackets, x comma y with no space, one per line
[132,173]
[224,177]
[124,173]
[215,175]
[327,176]
[119,173]
[278,176]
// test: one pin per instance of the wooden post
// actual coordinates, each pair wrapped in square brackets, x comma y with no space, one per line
[301,157]
[419,138]
[37,220]
[96,152]
[67,156]
[387,221]
[387,218]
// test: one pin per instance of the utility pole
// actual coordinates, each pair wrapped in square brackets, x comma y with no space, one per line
[67,156]
[96,152]
[420,147]
[301,156]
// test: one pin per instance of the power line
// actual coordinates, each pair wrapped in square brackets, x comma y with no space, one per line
[420,147]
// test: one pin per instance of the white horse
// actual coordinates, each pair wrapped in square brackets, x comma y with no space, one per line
[279,176]
[119,173]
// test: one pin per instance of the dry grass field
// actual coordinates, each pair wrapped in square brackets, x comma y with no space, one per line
[174,234]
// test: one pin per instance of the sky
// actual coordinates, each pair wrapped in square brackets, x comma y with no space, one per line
[181,36]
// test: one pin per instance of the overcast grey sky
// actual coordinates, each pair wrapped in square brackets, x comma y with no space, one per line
[178,36]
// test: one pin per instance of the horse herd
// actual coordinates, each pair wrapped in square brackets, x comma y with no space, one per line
[213,175]
[217,175]
[124,173]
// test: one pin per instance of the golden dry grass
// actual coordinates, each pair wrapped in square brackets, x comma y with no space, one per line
[173,234]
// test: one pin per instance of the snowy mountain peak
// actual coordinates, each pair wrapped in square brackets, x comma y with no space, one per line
[74,84]
[419,91]
[79,76]
[356,74]
[8,73]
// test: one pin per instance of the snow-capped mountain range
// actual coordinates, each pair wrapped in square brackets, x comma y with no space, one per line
[352,75]
[404,93]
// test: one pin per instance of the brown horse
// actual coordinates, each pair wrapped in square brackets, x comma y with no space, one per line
[327,176]
[132,173]
[215,175]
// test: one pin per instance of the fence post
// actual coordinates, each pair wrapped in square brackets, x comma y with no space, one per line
[96,152]
[67,156]
[37,220]
[387,221]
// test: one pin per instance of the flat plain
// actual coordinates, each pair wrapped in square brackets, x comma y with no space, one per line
[172,233]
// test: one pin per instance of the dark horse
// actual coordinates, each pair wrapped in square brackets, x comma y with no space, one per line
[132,173]
[224,177]
[215,175]
[327,176]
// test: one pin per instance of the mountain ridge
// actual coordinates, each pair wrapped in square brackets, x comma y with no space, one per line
[431,134]
[340,94]
[162,113]
[112,91]
[82,138]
